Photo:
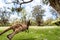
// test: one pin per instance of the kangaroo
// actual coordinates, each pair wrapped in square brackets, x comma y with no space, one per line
[16,29]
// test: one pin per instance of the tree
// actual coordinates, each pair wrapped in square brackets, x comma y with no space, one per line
[55,4]
[23,15]
[4,15]
[20,8]
[38,14]
[19,3]
[54,13]
[48,22]
[45,2]
[56,22]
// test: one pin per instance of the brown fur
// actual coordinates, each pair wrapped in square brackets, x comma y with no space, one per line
[16,29]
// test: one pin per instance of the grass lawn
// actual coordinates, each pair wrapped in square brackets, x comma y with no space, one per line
[35,34]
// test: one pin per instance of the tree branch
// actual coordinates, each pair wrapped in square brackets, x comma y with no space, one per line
[25,2]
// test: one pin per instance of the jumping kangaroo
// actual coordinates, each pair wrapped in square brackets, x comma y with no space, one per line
[16,29]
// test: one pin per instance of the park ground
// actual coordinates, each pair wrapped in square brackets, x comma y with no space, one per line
[35,33]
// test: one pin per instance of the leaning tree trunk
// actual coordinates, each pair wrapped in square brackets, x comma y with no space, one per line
[55,4]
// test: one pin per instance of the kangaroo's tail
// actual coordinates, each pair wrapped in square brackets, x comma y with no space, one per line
[5,30]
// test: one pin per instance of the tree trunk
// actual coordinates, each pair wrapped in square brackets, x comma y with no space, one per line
[55,4]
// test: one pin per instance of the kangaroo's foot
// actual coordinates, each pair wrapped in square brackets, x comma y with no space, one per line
[0,33]
[9,37]
[27,31]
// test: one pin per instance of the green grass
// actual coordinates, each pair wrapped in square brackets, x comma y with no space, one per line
[35,34]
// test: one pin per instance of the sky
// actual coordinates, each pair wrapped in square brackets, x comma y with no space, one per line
[28,7]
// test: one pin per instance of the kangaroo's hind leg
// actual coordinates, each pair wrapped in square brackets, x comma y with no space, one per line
[5,30]
[10,36]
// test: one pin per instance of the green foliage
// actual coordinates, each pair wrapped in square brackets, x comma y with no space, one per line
[5,25]
[4,22]
[17,9]
[45,1]
[24,14]
[48,22]
[33,23]
[51,22]
[56,22]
